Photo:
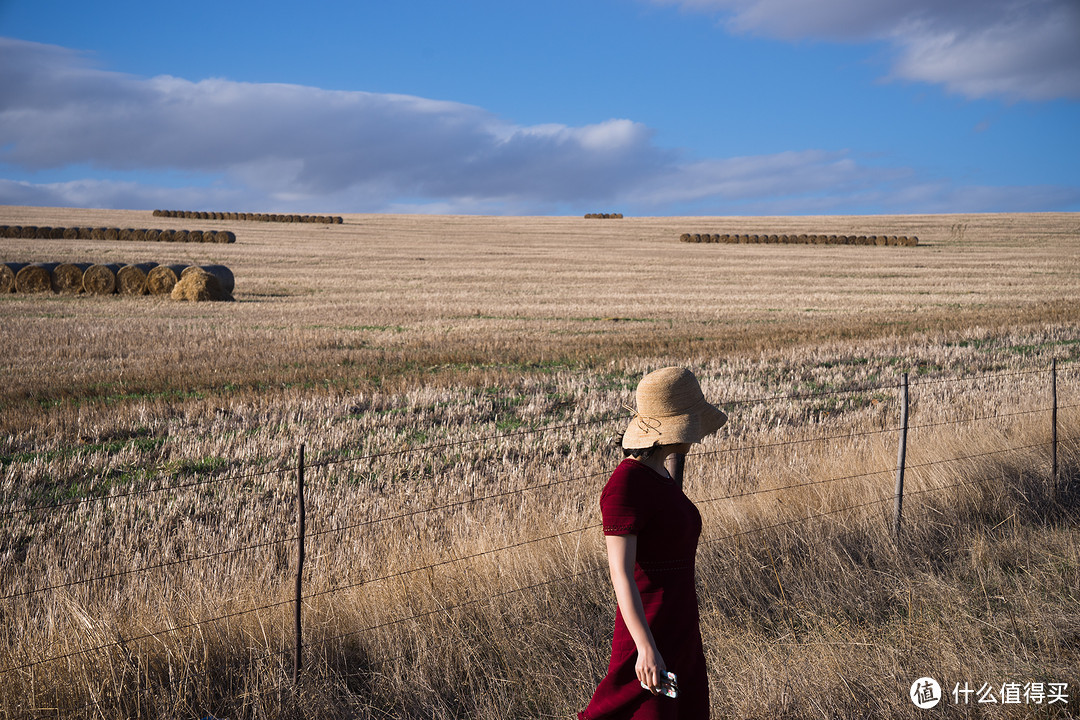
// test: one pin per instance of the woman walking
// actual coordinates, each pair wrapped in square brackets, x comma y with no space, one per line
[651,529]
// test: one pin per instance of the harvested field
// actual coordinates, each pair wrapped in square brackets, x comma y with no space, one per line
[421,358]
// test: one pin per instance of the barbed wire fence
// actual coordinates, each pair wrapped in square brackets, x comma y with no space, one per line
[299,538]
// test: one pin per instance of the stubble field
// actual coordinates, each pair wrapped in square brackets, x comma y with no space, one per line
[456,382]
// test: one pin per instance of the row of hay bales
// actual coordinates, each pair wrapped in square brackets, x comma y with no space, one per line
[803,239]
[603,216]
[258,217]
[181,282]
[33,232]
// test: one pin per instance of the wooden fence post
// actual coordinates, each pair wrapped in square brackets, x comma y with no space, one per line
[898,501]
[297,661]
[1054,426]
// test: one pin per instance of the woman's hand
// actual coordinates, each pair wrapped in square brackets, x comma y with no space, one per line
[622,553]
[650,667]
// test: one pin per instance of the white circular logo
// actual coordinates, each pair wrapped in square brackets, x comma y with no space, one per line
[925,693]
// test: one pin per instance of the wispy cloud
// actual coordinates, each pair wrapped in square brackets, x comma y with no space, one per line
[1014,49]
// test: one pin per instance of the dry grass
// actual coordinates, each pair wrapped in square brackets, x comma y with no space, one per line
[390,333]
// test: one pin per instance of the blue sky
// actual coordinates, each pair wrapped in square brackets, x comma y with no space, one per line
[648,107]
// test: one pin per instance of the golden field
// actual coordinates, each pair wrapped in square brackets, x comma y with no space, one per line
[456,382]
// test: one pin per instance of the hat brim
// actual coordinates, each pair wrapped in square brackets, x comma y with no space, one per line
[691,427]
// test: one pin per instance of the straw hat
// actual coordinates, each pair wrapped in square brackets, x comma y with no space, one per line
[671,410]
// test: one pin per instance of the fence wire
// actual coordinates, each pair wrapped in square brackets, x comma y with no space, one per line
[518,545]
[526,432]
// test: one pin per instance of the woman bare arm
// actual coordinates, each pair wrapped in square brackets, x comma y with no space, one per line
[622,554]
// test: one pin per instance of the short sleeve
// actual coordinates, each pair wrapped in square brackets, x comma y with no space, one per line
[624,503]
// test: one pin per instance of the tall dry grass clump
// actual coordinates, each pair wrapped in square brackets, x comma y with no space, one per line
[470,579]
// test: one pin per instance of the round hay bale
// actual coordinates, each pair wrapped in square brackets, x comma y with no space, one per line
[4,230]
[131,279]
[161,279]
[912,241]
[28,232]
[180,236]
[881,240]
[195,236]
[100,279]
[110,233]
[8,271]
[338,220]
[36,278]
[157,213]
[222,273]
[685,237]
[67,278]
[221,236]
[196,284]
[138,235]
[15,231]
[71,233]
[160,235]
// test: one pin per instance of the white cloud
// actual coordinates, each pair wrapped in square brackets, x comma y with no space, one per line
[1015,49]
[220,144]
[57,111]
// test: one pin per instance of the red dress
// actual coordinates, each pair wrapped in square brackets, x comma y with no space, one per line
[639,501]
